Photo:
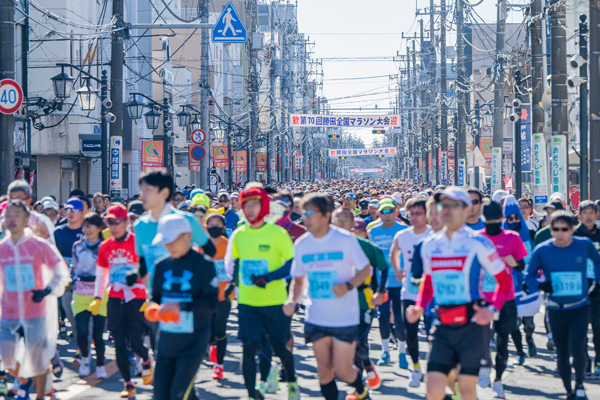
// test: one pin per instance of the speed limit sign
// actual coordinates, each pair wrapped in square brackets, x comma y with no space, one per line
[11,96]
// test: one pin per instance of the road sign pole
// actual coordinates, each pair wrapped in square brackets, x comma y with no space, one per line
[7,71]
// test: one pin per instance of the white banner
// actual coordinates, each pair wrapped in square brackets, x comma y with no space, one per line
[365,121]
[461,172]
[365,170]
[116,165]
[496,168]
[559,165]
[362,152]
[540,170]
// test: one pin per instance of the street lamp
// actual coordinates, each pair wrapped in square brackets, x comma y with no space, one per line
[152,118]
[195,124]
[488,119]
[183,117]
[63,84]
[87,96]
[135,109]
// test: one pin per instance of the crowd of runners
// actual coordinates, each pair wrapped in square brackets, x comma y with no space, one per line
[450,273]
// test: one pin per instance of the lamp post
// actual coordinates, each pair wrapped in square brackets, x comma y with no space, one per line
[86,96]
[152,118]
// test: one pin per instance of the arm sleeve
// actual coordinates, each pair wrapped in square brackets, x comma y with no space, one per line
[384,277]
[101,281]
[157,283]
[143,269]
[425,296]
[280,273]
[417,262]
[503,288]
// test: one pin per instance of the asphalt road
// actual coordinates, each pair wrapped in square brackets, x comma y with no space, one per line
[534,380]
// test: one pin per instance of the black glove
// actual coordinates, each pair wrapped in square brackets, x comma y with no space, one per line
[260,281]
[131,278]
[38,295]
[525,288]
[230,288]
[546,287]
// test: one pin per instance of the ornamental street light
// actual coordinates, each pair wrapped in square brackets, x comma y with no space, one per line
[87,96]
[62,84]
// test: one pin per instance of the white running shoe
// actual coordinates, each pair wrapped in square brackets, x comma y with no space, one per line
[415,378]
[272,384]
[84,367]
[499,390]
[101,372]
[484,377]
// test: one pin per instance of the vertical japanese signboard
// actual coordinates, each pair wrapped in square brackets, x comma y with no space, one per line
[540,170]
[559,165]
[526,138]
[496,168]
[116,165]
[239,161]
[261,162]
[220,158]
[461,172]
[297,161]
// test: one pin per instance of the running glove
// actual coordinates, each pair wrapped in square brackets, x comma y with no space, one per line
[38,295]
[153,314]
[131,278]
[95,306]
[260,281]
[546,287]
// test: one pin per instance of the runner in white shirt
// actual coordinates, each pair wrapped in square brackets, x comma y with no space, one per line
[404,246]
[333,263]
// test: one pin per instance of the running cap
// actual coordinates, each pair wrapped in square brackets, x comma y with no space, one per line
[135,208]
[492,211]
[386,203]
[498,195]
[557,205]
[116,211]
[454,193]
[397,198]
[170,227]
[557,196]
[75,204]
[50,204]
[360,225]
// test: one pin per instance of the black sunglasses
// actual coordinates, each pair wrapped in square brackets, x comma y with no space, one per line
[560,229]
[114,222]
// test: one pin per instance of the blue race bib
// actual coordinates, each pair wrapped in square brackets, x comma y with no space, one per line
[19,278]
[253,267]
[321,283]
[566,284]
[118,273]
[489,283]
[220,270]
[450,287]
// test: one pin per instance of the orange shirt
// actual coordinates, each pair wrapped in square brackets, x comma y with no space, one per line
[220,255]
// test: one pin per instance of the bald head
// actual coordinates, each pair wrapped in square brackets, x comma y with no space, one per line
[343,218]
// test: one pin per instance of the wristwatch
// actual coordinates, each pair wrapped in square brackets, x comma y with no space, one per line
[349,286]
[495,312]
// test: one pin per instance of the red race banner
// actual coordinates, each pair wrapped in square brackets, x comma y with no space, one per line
[261,162]
[220,158]
[240,161]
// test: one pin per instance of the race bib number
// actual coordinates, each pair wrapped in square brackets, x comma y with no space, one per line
[321,283]
[220,270]
[450,288]
[19,278]
[489,283]
[85,288]
[410,286]
[253,267]
[590,273]
[186,319]
[118,273]
[153,253]
[566,284]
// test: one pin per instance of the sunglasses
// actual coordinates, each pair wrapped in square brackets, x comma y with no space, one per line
[386,211]
[179,199]
[309,213]
[113,222]
[560,229]
[70,210]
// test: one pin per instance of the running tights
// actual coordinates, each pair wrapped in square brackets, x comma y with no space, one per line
[251,347]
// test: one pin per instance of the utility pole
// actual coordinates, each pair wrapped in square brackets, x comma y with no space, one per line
[411,148]
[498,132]
[7,71]
[583,108]
[253,88]
[202,178]
[414,112]
[594,88]
[461,87]
[517,150]
[443,89]
[422,115]
[560,120]
[433,72]
[117,59]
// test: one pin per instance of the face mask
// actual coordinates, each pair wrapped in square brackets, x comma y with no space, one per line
[514,226]
[216,231]
[493,228]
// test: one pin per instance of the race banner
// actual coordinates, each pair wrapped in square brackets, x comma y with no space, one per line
[297,161]
[361,152]
[220,158]
[559,165]
[496,168]
[365,170]
[327,121]
[239,161]
[526,137]
[261,162]
[540,170]
[152,154]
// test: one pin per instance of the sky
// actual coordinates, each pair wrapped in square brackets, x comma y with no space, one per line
[367,28]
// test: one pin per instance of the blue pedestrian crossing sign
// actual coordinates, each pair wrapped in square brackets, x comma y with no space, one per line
[229,27]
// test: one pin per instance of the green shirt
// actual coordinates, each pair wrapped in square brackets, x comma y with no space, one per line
[377,260]
[259,252]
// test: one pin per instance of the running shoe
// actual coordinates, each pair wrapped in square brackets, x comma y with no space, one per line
[531,349]
[101,372]
[403,361]
[484,377]
[3,385]
[129,391]
[520,360]
[356,396]
[137,371]
[57,365]
[550,344]
[217,372]
[415,378]
[147,372]
[15,387]
[273,378]
[84,368]
[373,379]
[213,354]
[580,394]
[49,389]
[385,359]
[260,390]
[62,330]
[499,390]
[23,391]
[293,391]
